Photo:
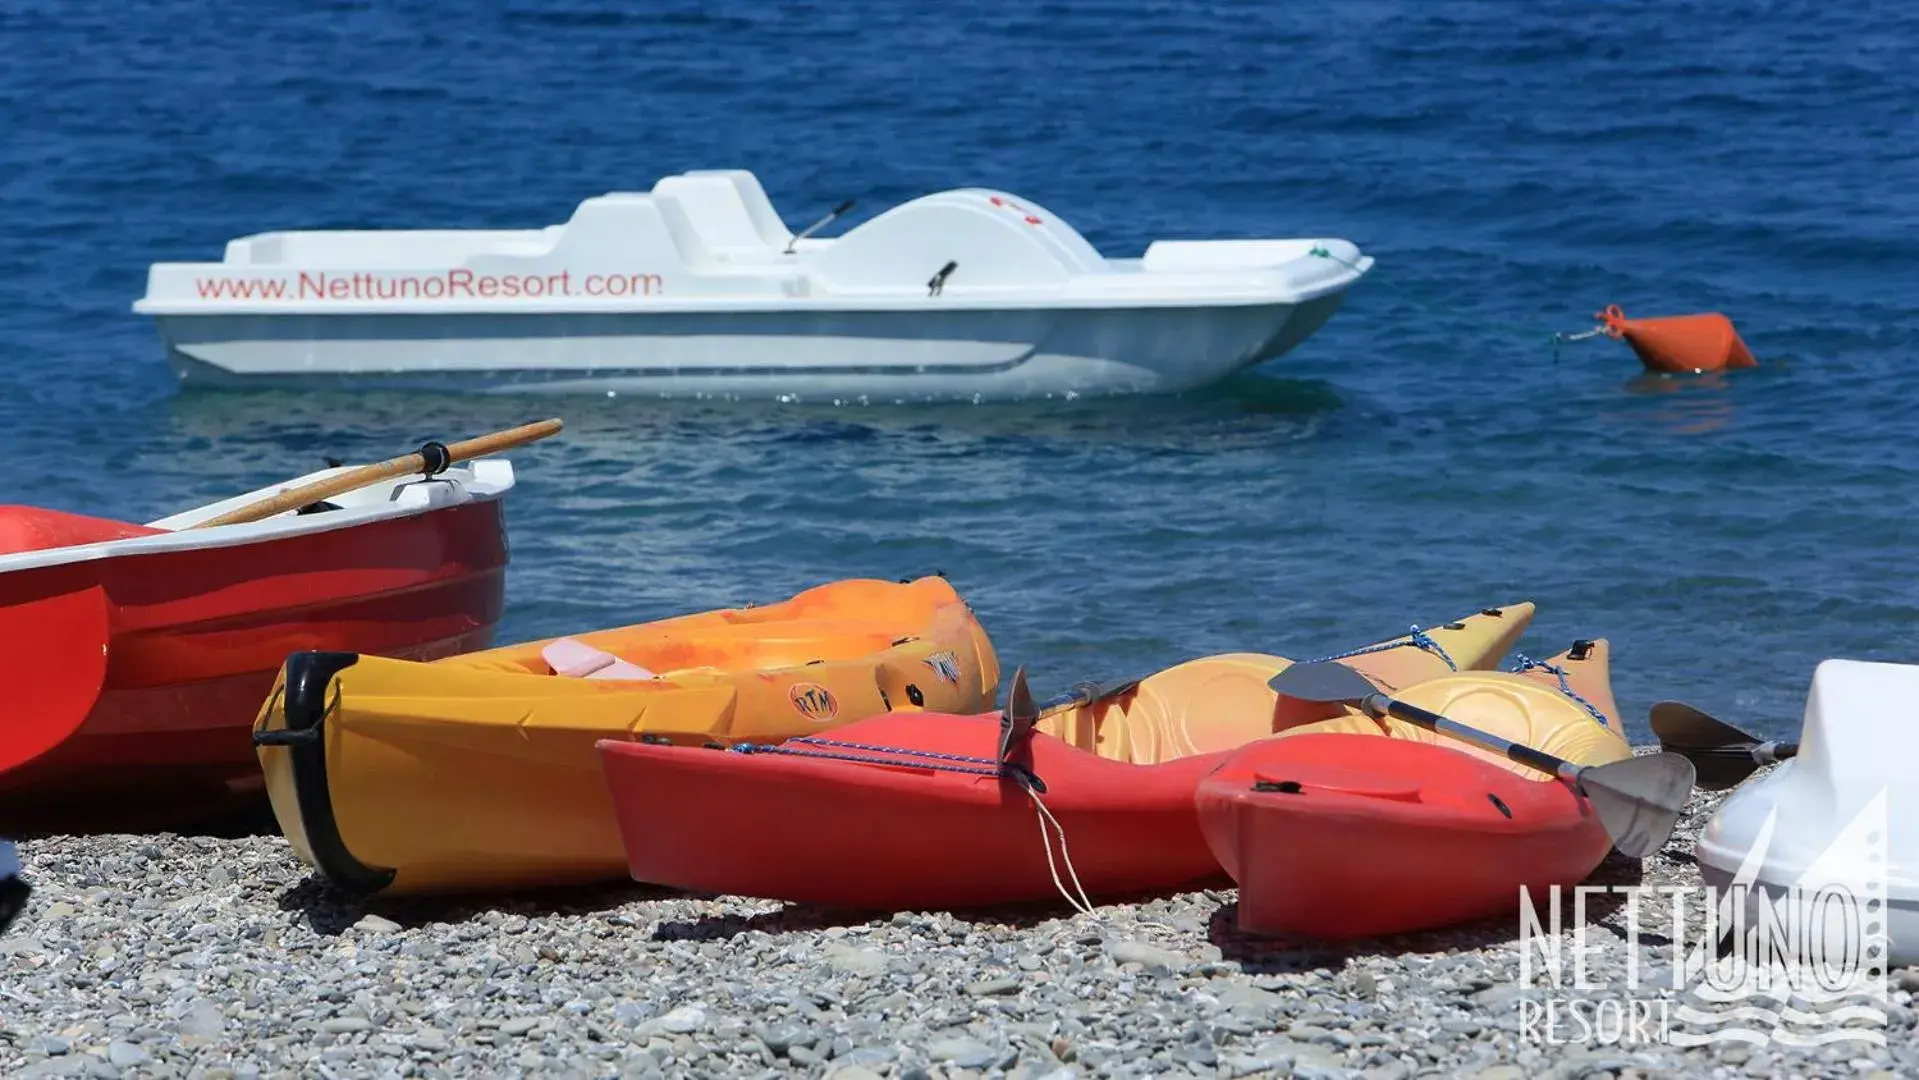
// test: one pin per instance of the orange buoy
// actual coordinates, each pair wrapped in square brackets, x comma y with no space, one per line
[1680,343]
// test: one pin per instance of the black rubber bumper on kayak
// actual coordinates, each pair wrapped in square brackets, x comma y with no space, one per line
[304,707]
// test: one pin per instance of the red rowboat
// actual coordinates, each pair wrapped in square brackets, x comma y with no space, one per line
[1344,835]
[133,658]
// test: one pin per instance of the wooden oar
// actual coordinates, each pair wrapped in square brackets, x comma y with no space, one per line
[1723,754]
[429,459]
[1638,800]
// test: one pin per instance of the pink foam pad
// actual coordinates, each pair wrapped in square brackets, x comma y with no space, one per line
[578,660]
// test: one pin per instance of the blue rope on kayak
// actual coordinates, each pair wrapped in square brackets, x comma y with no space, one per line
[1523,663]
[1417,638]
[918,759]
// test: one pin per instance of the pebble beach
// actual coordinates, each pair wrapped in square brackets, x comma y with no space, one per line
[1434,449]
[207,956]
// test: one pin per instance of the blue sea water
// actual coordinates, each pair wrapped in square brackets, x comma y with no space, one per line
[1514,167]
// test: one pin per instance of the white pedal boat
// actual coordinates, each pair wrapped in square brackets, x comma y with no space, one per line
[1833,831]
[697,288]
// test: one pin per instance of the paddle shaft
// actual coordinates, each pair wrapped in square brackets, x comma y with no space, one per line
[1377,705]
[1085,693]
[1637,800]
[353,479]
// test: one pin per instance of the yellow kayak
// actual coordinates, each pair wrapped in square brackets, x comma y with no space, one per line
[1222,702]
[478,771]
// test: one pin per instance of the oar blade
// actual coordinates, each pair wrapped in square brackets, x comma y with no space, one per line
[1322,681]
[1017,719]
[1721,769]
[1682,727]
[1639,800]
[1722,754]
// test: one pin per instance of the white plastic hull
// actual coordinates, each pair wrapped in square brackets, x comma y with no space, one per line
[1901,924]
[825,355]
[1839,816]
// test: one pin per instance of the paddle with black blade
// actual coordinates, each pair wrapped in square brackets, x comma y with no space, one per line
[1723,754]
[1016,721]
[1638,800]
[1016,733]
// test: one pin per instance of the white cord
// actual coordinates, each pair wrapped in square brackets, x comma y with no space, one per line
[1081,905]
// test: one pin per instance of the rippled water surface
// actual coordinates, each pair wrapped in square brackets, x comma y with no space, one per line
[1513,167]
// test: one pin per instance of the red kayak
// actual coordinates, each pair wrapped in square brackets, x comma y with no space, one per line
[134,658]
[917,810]
[1343,835]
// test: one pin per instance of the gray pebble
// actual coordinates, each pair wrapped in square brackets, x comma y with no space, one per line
[873,1057]
[965,1053]
[781,1036]
[1241,995]
[1199,1054]
[1152,957]
[855,961]
[683,1020]
[203,1021]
